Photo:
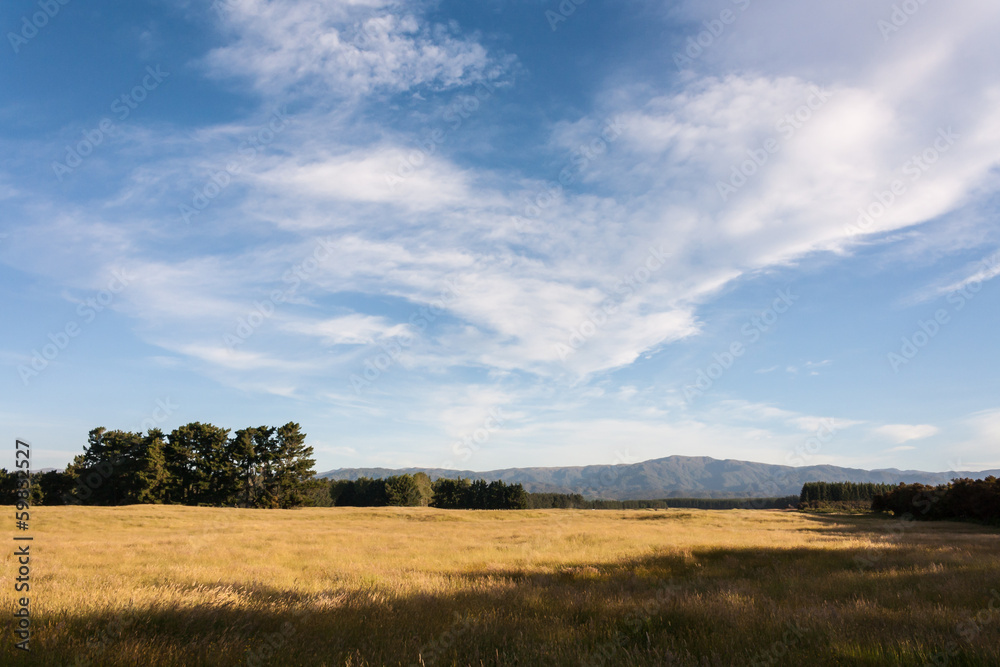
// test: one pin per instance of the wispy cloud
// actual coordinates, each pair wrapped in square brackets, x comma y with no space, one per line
[906,432]
[351,329]
[757,159]
[349,47]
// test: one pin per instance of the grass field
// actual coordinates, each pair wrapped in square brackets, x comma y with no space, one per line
[164,585]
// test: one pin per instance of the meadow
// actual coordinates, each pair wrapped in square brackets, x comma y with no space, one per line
[170,585]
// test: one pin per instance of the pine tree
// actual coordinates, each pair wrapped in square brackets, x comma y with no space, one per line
[199,467]
[142,469]
[250,452]
[293,466]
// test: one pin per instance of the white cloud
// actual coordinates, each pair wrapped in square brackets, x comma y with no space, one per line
[525,292]
[746,411]
[972,442]
[982,271]
[660,176]
[351,48]
[905,432]
[368,175]
[354,329]
[241,359]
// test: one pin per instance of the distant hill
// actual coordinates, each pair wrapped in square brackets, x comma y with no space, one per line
[674,477]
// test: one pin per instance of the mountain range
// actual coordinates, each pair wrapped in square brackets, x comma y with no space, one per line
[673,477]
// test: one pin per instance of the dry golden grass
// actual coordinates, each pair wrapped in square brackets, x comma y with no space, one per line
[161,585]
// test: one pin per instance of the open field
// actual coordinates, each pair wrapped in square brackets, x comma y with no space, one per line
[166,585]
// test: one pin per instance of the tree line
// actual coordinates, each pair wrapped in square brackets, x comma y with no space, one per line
[272,467]
[577,501]
[418,490]
[964,499]
[836,496]
[396,491]
[196,464]
[841,491]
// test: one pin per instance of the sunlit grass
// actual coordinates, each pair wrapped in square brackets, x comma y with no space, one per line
[163,585]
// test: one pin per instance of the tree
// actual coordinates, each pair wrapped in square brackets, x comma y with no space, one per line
[199,468]
[342,492]
[101,460]
[450,493]
[515,498]
[402,491]
[8,487]
[251,452]
[142,469]
[480,495]
[319,495]
[179,461]
[424,488]
[292,467]
[197,464]
[55,486]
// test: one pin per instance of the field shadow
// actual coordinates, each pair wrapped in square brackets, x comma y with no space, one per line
[713,606]
[883,524]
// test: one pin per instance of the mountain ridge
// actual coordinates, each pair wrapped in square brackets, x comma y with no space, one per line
[673,477]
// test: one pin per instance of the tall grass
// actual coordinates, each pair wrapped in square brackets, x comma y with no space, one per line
[165,585]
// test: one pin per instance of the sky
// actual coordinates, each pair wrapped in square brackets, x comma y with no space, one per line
[503,233]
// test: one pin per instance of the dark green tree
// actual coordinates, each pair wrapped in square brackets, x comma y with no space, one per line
[451,493]
[199,468]
[402,491]
[252,451]
[142,470]
[55,486]
[100,466]
[291,468]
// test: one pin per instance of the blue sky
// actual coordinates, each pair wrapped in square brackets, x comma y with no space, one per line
[495,234]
